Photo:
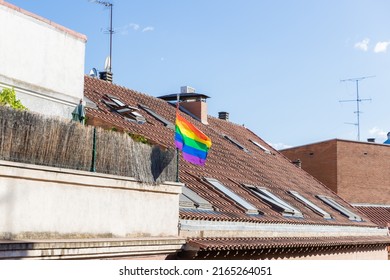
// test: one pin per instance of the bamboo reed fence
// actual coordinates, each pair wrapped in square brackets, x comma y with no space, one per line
[36,139]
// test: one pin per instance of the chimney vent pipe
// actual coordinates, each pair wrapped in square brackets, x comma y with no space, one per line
[223,116]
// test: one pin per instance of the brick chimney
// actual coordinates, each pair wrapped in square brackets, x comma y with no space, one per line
[194,103]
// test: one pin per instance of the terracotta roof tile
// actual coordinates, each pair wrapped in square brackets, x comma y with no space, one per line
[377,214]
[226,162]
[215,244]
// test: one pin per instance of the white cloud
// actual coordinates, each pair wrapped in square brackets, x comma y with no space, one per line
[148,28]
[378,133]
[381,46]
[134,26]
[363,45]
[279,146]
[124,30]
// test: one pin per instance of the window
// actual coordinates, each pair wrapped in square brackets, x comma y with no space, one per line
[128,112]
[250,209]
[190,199]
[117,101]
[273,200]
[260,146]
[157,116]
[352,216]
[311,205]
[235,143]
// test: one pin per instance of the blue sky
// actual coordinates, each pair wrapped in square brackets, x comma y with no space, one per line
[275,66]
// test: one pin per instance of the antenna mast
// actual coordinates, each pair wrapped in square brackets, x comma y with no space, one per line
[110,31]
[357,100]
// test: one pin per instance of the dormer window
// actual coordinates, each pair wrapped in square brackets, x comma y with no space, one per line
[349,214]
[157,116]
[311,205]
[261,147]
[128,112]
[190,199]
[274,201]
[249,208]
[235,142]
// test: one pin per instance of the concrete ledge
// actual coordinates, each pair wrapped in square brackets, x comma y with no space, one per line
[94,248]
[39,202]
[200,228]
[24,171]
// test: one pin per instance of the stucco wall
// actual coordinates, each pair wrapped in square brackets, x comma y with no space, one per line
[350,254]
[45,202]
[43,61]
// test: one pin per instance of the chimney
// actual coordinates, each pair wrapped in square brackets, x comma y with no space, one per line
[106,76]
[298,163]
[194,102]
[187,89]
[371,140]
[223,116]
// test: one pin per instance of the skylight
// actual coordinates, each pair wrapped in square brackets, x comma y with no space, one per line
[250,209]
[235,143]
[117,101]
[157,116]
[261,147]
[128,112]
[352,216]
[311,205]
[190,199]
[272,199]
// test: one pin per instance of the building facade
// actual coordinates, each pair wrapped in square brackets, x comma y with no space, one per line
[43,61]
[357,171]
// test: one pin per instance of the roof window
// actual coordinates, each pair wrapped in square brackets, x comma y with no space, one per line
[190,199]
[264,149]
[235,143]
[352,216]
[311,205]
[250,209]
[128,112]
[157,116]
[273,200]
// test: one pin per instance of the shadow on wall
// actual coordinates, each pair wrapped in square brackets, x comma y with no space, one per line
[163,164]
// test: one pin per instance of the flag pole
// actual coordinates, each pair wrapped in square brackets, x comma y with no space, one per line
[177,149]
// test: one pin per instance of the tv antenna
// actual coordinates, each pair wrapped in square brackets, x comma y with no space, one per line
[357,100]
[110,31]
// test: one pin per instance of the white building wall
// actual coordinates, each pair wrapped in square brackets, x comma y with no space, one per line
[38,202]
[43,61]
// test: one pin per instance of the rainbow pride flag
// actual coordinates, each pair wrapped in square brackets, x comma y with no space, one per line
[193,143]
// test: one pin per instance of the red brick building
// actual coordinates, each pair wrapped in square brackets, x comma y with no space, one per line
[357,171]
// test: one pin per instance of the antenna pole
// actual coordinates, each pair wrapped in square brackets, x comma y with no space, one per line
[110,31]
[357,100]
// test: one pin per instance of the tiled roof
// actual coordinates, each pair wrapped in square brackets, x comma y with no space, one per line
[226,163]
[212,244]
[377,214]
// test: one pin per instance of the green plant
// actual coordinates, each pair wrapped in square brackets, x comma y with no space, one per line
[138,138]
[8,98]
